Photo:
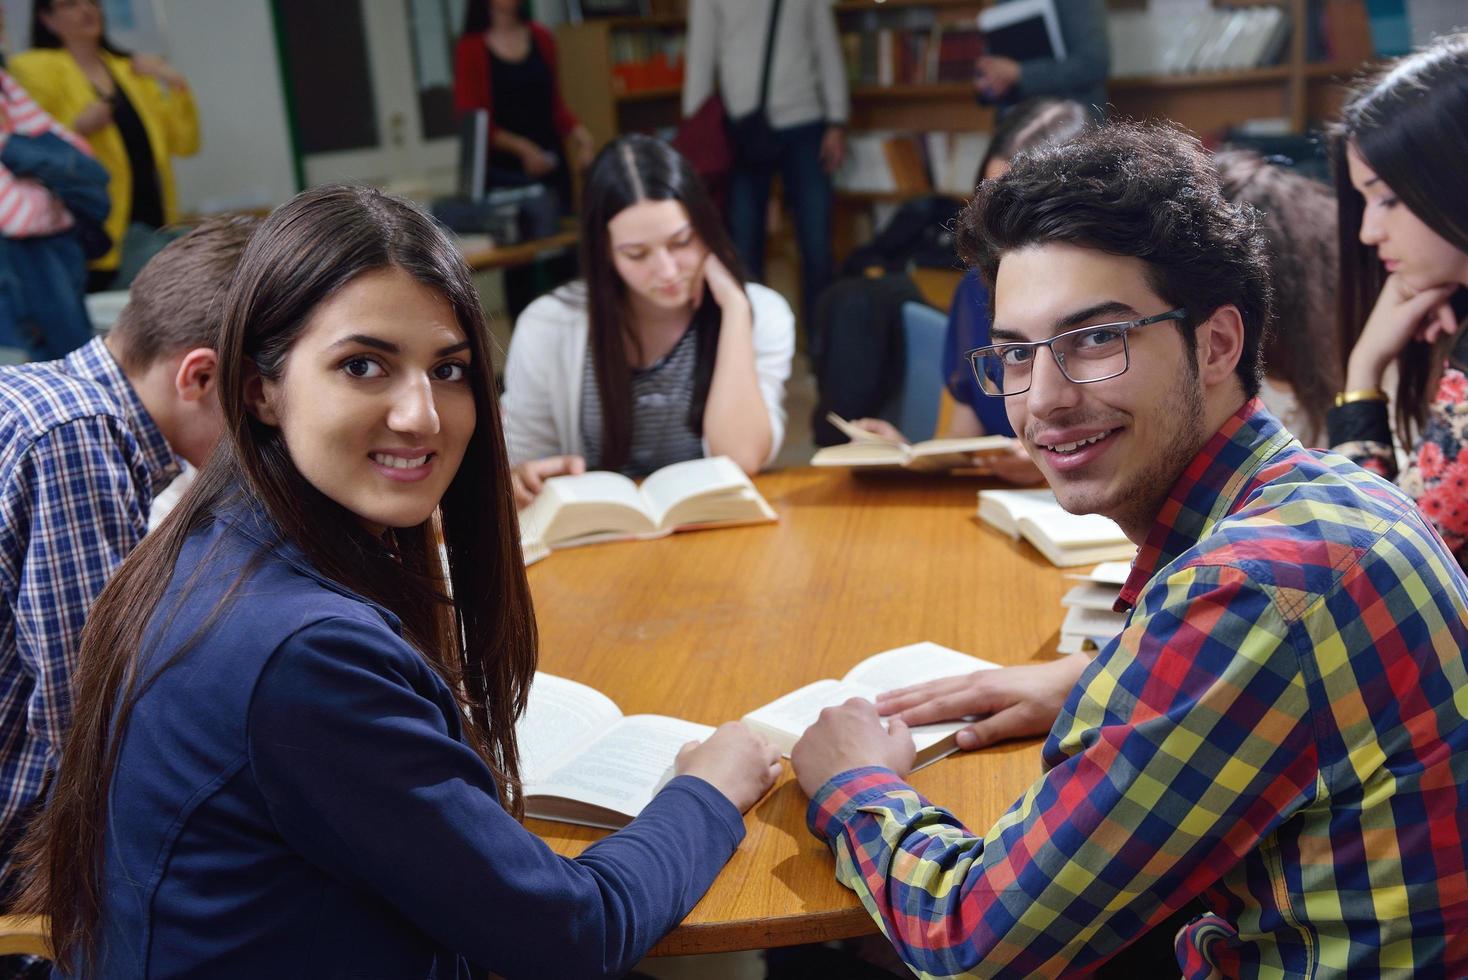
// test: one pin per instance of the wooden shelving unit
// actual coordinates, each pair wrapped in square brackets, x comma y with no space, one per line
[1205,103]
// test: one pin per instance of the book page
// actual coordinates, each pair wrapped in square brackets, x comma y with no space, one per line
[560,716]
[673,484]
[598,485]
[786,718]
[1072,530]
[1003,509]
[912,664]
[857,434]
[967,445]
[864,453]
[625,767]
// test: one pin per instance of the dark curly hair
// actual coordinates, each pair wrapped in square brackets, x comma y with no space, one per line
[1298,219]
[1145,190]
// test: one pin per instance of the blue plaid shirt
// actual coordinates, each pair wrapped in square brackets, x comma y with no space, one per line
[80,461]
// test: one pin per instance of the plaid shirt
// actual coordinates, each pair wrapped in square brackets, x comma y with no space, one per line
[80,460]
[1279,729]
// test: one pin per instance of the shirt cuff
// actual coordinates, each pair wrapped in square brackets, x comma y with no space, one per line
[1363,421]
[716,804]
[846,793]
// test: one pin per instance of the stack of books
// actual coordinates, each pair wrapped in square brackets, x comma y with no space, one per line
[1067,540]
[1090,619]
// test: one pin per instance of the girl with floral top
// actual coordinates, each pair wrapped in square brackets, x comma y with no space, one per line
[1400,152]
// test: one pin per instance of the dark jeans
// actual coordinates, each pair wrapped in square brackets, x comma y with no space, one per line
[807,191]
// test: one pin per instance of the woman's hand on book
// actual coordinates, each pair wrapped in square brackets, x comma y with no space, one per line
[1401,314]
[1015,702]
[882,429]
[529,477]
[1014,465]
[846,737]
[733,760]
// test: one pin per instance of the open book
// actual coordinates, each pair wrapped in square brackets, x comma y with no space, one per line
[600,506]
[582,761]
[869,450]
[785,719]
[1064,538]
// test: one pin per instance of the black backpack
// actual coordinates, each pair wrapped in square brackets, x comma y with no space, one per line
[919,233]
[858,348]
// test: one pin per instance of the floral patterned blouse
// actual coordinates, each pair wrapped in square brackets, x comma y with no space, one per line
[1436,474]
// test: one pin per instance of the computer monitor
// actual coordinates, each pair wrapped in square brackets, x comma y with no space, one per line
[474,154]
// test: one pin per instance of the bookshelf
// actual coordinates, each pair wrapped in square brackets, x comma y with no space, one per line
[1294,89]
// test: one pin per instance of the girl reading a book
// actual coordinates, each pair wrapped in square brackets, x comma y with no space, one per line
[1399,151]
[293,750]
[662,352]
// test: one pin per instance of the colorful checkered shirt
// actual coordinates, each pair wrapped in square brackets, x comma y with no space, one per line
[80,460]
[1279,730]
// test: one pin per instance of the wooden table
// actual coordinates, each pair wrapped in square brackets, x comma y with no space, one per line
[708,625]
[521,253]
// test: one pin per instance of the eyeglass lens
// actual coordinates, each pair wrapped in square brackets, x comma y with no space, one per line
[1089,354]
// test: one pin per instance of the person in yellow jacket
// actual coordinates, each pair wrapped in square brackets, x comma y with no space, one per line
[135,110]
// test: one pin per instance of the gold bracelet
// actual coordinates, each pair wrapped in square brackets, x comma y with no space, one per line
[1360,395]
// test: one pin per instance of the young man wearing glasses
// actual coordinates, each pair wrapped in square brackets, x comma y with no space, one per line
[1279,733]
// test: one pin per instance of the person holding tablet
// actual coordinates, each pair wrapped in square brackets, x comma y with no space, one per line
[294,750]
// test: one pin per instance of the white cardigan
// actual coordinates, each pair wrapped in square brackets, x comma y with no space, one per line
[543,371]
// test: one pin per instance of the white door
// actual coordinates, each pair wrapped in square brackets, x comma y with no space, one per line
[403,159]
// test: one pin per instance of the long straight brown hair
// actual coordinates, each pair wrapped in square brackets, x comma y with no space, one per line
[628,171]
[1409,122]
[476,629]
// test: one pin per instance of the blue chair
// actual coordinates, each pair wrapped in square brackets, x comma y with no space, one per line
[913,407]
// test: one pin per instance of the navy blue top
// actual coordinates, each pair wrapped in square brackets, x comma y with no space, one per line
[295,798]
[968,328]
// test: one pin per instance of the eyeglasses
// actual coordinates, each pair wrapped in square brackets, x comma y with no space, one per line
[1086,354]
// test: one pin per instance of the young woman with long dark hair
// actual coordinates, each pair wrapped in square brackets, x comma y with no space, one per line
[1401,156]
[662,352]
[293,750]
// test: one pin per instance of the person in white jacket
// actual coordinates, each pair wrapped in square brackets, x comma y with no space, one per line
[662,352]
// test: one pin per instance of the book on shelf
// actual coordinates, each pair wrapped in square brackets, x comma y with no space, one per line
[583,761]
[867,450]
[1022,30]
[785,719]
[954,160]
[1067,540]
[885,162]
[600,506]
[923,55]
[1194,39]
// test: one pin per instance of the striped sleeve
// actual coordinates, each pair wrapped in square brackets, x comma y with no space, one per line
[27,208]
[1185,745]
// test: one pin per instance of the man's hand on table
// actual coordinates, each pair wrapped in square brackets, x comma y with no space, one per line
[1015,702]
[733,760]
[848,737]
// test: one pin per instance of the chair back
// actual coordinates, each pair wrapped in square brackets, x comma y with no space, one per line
[914,407]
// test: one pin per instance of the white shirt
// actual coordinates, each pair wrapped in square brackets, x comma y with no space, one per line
[726,40]
[543,370]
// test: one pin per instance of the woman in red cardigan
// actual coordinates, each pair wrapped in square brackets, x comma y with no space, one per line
[506,63]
